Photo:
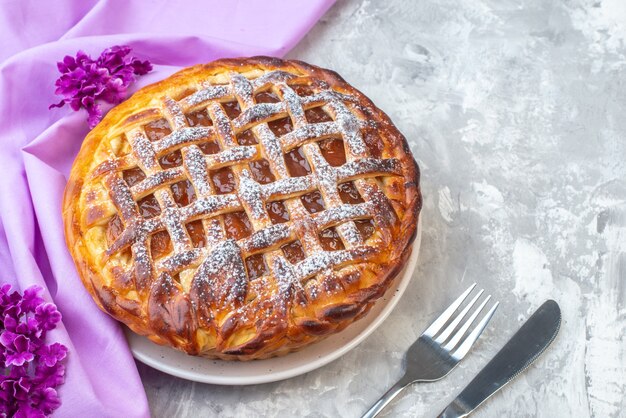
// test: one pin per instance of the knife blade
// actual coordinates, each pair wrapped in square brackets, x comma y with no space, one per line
[519,352]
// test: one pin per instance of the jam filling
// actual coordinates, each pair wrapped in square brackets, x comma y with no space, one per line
[223,180]
[199,118]
[330,241]
[277,211]
[196,233]
[302,90]
[160,244]
[313,202]
[133,176]
[349,194]
[366,228]
[232,109]
[297,165]
[209,147]
[183,192]
[333,151]
[173,159]
[246,138]
[157,129]
[294,252]
[281,127]
[256,266]
[114,228]
[149,207]
[237,225]
[267,97]
[317,115]
[261,171]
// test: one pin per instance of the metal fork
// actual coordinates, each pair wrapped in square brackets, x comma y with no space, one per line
[440,348]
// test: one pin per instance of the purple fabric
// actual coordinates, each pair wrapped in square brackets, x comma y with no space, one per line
[39,146]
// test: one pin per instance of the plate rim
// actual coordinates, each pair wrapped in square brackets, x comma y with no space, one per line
[403,279]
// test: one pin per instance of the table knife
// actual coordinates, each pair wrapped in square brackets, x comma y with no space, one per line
[519,352]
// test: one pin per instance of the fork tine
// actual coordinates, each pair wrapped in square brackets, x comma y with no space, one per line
[466,345]
[455,323]
[436,326]
[461,332]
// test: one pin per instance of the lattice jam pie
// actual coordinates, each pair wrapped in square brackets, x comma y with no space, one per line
[242,209]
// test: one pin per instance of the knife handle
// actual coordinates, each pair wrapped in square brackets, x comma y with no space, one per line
[387,397]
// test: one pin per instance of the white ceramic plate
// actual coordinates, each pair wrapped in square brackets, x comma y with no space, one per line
[310,358]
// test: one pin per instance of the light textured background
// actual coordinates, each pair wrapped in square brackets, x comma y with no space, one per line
[516,113]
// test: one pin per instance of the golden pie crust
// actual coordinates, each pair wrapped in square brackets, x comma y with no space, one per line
[242,209]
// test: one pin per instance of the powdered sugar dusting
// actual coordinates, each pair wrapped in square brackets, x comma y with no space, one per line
[266,238]
[273,151]
[196,165]
[205,95]
[143,150]
[259,112]
[341,213]
[242,88]
[326,96]
[237,154]
[224,260]
[350,234]
[323,260]
[157,179]
[325,174]
[211,205]
[174,114]
[220,269]
[305,133]
[349,127]
[289,186]
[250,193]
[183,136]
[272,77]
[286,277]
[174,224]
[181,260]
[293,104]
[222,124]
[369,166]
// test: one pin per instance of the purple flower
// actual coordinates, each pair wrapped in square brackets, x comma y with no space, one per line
[30,327]
[51,354]
[85,81]
[50,376]
[115,91]
[17,349]
[31,299]
[30,370]
[9,302]
[16,388]
[47,315]
[47,400]
[26,411]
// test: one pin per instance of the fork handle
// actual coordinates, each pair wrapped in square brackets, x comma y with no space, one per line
[387,397]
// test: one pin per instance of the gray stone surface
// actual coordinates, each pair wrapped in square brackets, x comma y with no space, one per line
[515,113]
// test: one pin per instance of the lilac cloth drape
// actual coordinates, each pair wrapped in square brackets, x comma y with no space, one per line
[38,147]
